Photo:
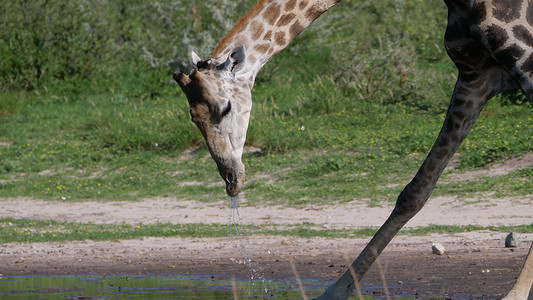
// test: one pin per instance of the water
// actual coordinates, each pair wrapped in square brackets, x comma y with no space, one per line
[240,241]
[144,287]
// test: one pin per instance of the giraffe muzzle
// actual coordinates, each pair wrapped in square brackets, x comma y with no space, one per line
[234,179]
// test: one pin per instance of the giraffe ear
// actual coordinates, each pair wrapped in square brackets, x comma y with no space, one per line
[198,62]
[195,58]
[235,61]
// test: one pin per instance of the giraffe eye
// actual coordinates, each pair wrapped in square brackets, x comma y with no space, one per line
[226,110]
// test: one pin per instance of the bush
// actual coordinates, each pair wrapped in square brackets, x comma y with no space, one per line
[393,53]
[80,43]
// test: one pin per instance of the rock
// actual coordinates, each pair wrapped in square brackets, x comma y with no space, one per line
[512,241]
[438,249]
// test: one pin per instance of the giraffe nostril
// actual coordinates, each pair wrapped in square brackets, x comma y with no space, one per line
[229,177]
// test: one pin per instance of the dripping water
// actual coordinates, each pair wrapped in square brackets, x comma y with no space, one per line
[240,241]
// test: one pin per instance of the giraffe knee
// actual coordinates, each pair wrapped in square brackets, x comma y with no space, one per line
[408,205]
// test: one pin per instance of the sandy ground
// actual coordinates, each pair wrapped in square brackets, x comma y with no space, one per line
[476,264]
[439,211]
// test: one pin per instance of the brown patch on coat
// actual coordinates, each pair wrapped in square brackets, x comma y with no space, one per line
[257,29]
[262,48]
[290,5]
[268,35]
[303,4]
[279,37]
[523,35]
[496,37]
[506,10]
[295,29]
[272,13]
[510,55]
[285,20]
[313,12]
[479,12]
[239,25]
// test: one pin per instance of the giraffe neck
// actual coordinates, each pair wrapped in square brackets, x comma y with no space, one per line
[267,29]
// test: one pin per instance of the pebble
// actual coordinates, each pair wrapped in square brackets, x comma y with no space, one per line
[438,249]
[512,241]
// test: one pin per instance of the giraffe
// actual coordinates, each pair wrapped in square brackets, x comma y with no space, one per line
[490,42]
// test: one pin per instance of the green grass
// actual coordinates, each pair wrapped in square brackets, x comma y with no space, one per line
[28,230]
[340,156]
[514,184]
[346,113]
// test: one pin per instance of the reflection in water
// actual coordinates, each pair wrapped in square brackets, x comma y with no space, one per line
[145,287]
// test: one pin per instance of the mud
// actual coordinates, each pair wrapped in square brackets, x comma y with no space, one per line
[474,266]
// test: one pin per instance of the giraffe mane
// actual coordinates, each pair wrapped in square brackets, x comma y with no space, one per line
[240,23]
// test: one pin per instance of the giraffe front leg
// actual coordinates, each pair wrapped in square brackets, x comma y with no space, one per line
[523,284]
[466,104]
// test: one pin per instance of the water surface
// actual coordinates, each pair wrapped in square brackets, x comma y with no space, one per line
[147,287]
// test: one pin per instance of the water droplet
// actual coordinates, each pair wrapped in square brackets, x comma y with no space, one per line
[240,241]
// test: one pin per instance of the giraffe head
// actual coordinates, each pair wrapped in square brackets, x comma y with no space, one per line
[220,105]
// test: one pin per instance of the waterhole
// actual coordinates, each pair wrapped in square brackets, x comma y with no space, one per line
[146,287]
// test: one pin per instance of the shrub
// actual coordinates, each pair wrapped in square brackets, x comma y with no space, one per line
[62,43]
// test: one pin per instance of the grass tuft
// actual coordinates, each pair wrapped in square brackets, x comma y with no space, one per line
[28,230]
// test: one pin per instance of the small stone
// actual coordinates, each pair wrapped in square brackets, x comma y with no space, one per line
[512,241]
[438,249]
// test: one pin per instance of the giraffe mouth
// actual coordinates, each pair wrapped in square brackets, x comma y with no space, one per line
[234,179]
